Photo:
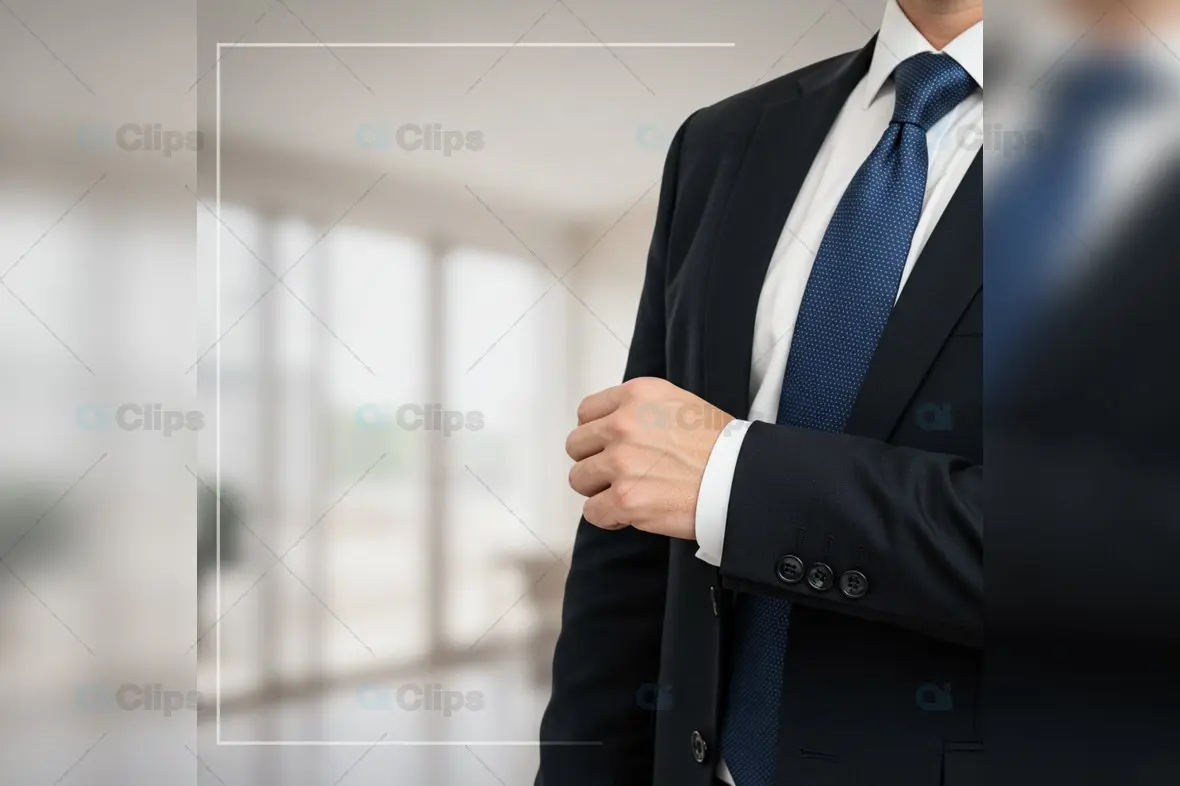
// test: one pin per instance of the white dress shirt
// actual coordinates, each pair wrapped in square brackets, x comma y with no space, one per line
[953,143]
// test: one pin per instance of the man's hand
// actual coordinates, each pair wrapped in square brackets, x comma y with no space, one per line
[641,449]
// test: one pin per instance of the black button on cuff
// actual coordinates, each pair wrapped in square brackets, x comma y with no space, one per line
[853,584]
[819,578]
[790,569]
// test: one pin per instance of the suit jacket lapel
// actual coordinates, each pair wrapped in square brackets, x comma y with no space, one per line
[945,278]
[775,163]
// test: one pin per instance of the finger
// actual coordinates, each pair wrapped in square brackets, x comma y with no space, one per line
[600,404]
[601,511]
[591,476]
[586,440]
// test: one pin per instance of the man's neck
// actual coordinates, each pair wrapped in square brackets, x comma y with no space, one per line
[942,21]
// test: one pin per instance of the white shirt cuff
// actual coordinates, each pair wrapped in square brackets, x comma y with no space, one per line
[713,500]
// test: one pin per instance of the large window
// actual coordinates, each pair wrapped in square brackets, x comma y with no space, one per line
[382,412]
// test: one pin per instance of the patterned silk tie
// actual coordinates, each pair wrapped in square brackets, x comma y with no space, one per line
[849,295]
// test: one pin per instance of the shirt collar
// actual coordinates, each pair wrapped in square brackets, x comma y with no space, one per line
[899,40]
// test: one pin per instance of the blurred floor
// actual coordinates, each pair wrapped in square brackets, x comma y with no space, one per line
[369,719]
[350,735]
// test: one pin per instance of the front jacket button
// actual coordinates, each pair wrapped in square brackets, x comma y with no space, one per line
[789,569]
[853,584]
[699,749]
[819,578]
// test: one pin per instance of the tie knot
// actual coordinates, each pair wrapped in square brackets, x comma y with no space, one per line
[928,86]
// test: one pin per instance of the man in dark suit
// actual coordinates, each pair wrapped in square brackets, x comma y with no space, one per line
[778,578]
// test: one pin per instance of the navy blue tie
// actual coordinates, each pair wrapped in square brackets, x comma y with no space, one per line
[849,295]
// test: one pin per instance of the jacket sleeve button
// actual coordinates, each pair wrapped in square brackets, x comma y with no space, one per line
[853,584]
[789,569]
[699,749]
[820,577]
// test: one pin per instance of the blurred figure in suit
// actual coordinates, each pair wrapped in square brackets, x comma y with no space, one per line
[1082,245]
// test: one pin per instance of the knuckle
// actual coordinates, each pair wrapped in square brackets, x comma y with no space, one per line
[626,509]
[614,428]
[590,512]
[617,461]
[620,499]
[640,386]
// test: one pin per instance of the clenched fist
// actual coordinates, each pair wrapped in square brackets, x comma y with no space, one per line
[641,449]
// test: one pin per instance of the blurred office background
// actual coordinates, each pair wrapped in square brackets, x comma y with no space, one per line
[424,258]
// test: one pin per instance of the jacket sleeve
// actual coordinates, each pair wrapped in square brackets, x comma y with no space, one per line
[595,729]
[909,522]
